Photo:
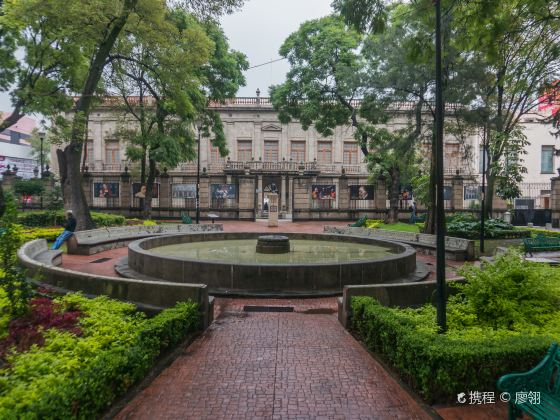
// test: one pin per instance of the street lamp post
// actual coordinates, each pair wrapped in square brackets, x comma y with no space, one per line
[41,138]
[440,212]
[198,178]
[483,189]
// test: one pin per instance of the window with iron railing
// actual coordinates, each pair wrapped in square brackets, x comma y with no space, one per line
[324,152]
[244,150]
[350,153]
[271,151]
[112,152]
[297,151]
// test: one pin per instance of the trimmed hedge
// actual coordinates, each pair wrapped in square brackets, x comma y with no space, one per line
[75,377]
[46,219]
[439,366]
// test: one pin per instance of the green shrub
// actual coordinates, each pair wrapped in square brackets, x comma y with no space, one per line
[80,376]
[49,218]
[503,320]
[440,366]
[463,225]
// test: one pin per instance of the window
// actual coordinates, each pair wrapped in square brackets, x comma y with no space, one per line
[297,151]
[350,155]
[215,156]
[547,159]
[244,150]
[112,152]
[324,152]
[271,151]
[480,159]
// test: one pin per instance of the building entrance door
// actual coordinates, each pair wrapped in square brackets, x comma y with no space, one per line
[271,185]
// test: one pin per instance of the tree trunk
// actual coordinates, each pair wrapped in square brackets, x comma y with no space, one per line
[430,225]
[393,215]
[147,210]
[69,159]
[72,191]
[489,196]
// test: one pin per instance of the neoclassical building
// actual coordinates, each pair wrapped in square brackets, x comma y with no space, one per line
[314,176]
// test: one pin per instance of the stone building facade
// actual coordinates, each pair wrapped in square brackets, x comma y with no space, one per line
[315,177]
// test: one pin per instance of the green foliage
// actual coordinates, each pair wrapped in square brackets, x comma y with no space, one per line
[50,234]
[79,377]
[12,278]
[463,225]
[439,366]
[48,218]
[29,186]
[511,292]
[503,319]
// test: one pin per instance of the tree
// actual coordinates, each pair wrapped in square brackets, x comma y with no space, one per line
[330,84]
[174,82]
[520,50]
[82,35]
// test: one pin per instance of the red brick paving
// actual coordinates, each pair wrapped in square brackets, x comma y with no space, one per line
[274,366]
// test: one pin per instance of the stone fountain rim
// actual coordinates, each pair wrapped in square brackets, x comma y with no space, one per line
[136,247]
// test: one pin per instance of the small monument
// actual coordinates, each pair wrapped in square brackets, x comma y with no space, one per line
[272,210]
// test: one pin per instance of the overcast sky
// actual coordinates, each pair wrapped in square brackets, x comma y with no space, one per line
[258,30]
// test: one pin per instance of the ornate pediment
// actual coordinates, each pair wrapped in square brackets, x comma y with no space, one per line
[271,127]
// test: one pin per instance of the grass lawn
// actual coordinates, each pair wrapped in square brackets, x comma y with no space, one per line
[400,226]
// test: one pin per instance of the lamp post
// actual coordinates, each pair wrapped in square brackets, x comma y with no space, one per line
[483,189]
[440,213]
[198,178]
[41,138]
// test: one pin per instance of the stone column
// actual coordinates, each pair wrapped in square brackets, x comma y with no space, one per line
[290,193]
[273,210]
[555,201]
[125,190]
[457,193]
[8,181]
[343,193]
[381,194]
[283,194]
[204,191]
[164,191]
[260,193]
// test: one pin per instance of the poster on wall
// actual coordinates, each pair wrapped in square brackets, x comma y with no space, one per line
[183,190]
[139,190]
[361,192]
[223,191]
[105,189]
[323,192]
[472,192]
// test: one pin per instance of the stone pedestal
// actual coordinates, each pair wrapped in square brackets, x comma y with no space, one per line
[125,190]
[457,193]
[343,193]
[272,210]
[164,191]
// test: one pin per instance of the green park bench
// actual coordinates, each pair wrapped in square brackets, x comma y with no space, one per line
[543,381]
[541,243]
[417,219]
[186,219]
[359,223]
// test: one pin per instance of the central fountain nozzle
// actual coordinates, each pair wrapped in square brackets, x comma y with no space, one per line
[273,244]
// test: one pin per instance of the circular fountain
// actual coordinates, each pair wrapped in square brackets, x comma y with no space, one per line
[290,264]
[273,244]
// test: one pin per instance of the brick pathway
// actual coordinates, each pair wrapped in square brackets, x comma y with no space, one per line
[300,365]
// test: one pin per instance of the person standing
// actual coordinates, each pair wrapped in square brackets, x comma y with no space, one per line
[69,228]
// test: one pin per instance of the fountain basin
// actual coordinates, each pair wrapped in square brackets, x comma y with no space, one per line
[229,267]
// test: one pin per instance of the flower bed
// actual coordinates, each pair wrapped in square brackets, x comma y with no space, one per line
[77,355]
[503,320]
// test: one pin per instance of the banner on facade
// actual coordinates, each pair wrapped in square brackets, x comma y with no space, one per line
[105,189]
[223,191]
[361,192]
[139,190]
[472,192]
[183,190]
[323,192]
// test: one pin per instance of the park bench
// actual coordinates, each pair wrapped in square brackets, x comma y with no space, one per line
[541,243]
[417,219]
[543,381]
[359,223]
